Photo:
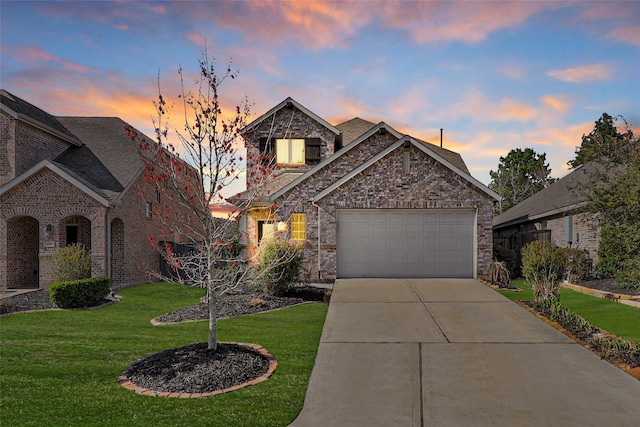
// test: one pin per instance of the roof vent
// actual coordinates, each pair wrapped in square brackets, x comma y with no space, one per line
[382,131]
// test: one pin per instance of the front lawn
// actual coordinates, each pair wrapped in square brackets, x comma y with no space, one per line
[619,319]
[61,368]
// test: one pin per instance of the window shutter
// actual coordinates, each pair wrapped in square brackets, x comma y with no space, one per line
[312,152]
[267,149]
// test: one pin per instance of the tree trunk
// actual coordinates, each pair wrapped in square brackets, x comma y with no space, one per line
[213,340]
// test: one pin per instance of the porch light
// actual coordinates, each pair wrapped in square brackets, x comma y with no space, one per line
[48,229]
[282,226]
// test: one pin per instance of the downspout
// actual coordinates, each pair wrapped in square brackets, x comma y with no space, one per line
[314,204]
[108,228]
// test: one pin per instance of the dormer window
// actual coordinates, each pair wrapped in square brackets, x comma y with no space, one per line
[290,151]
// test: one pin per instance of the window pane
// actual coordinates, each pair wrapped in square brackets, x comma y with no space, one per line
[298,227]
[282,150]
[297,151]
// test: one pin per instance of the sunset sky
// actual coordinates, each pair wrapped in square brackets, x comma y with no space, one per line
[494,75]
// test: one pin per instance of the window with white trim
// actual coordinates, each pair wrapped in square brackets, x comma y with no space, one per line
[298,223]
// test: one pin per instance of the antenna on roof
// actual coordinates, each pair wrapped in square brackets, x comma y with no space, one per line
[440,137]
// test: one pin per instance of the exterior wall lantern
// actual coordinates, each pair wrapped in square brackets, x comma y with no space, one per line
[48,230]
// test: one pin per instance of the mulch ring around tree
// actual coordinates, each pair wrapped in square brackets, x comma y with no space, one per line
[194,371]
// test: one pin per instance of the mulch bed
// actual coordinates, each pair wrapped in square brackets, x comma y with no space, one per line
[194,370]
[607,285]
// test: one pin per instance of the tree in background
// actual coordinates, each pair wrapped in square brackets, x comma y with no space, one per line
[202,250]
[603,141]
[612,195]
[521,174]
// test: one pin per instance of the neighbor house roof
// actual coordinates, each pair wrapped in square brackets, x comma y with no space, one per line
[22,110]
[559,197]
[112,147]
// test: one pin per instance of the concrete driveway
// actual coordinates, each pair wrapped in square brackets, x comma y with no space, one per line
[452,352]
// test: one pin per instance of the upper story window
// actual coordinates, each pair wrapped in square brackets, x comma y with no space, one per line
[290,151]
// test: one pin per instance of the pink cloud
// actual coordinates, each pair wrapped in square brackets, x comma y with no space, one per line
[557,102]
[197,39]
[582,74]
[629,35]
[122,27]
[33,55]
[434,21]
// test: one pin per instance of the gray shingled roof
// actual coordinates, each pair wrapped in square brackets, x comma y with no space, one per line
[351,129]
[558,197]
[111,161]
[21,109]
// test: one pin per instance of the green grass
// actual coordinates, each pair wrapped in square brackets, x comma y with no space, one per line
[61,368]
[618,319]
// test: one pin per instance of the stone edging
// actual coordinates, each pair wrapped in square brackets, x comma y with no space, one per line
[124,380]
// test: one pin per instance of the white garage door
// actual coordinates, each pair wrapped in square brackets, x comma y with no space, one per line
[405,243]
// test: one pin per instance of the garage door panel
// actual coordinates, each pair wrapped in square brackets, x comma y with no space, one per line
[403,243]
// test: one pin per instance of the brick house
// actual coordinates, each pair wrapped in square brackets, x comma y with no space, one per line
[551,214]
[365,200]
[65,180]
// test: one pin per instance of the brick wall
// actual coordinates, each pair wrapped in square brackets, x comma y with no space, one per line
[429,185]
[582,226]
[287,123]
[24,146]
[51,200]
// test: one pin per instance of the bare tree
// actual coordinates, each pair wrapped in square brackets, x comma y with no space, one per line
[193,173]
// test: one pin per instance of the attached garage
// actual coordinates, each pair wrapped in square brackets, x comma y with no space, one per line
[406,242]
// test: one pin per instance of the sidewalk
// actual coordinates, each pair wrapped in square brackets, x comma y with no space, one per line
[433,352]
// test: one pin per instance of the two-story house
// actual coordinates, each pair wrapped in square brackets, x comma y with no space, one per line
[365,200]
[67,180]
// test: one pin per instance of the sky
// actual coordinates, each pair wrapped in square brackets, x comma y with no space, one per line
[494,75]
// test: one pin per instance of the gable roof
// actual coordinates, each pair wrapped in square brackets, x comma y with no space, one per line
[398,144]
[60,170]
[421,145]
[557,198]
[22,110]
[290,103]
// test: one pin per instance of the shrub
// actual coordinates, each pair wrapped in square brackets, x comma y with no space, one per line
[543,265]
[508,257]
[279,266]
[579,265]
[80,293]
[70,263]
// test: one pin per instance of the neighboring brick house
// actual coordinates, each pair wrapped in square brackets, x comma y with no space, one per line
[65,180]
[365,200]
[551,214]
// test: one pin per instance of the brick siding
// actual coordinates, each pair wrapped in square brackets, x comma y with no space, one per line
[429,185]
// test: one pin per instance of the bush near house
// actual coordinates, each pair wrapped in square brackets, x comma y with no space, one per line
[579,265]
[279,266]
[70,263]
[508,257]
[80,293]
[544,265]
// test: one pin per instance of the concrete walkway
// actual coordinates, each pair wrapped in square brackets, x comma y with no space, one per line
[452,352]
